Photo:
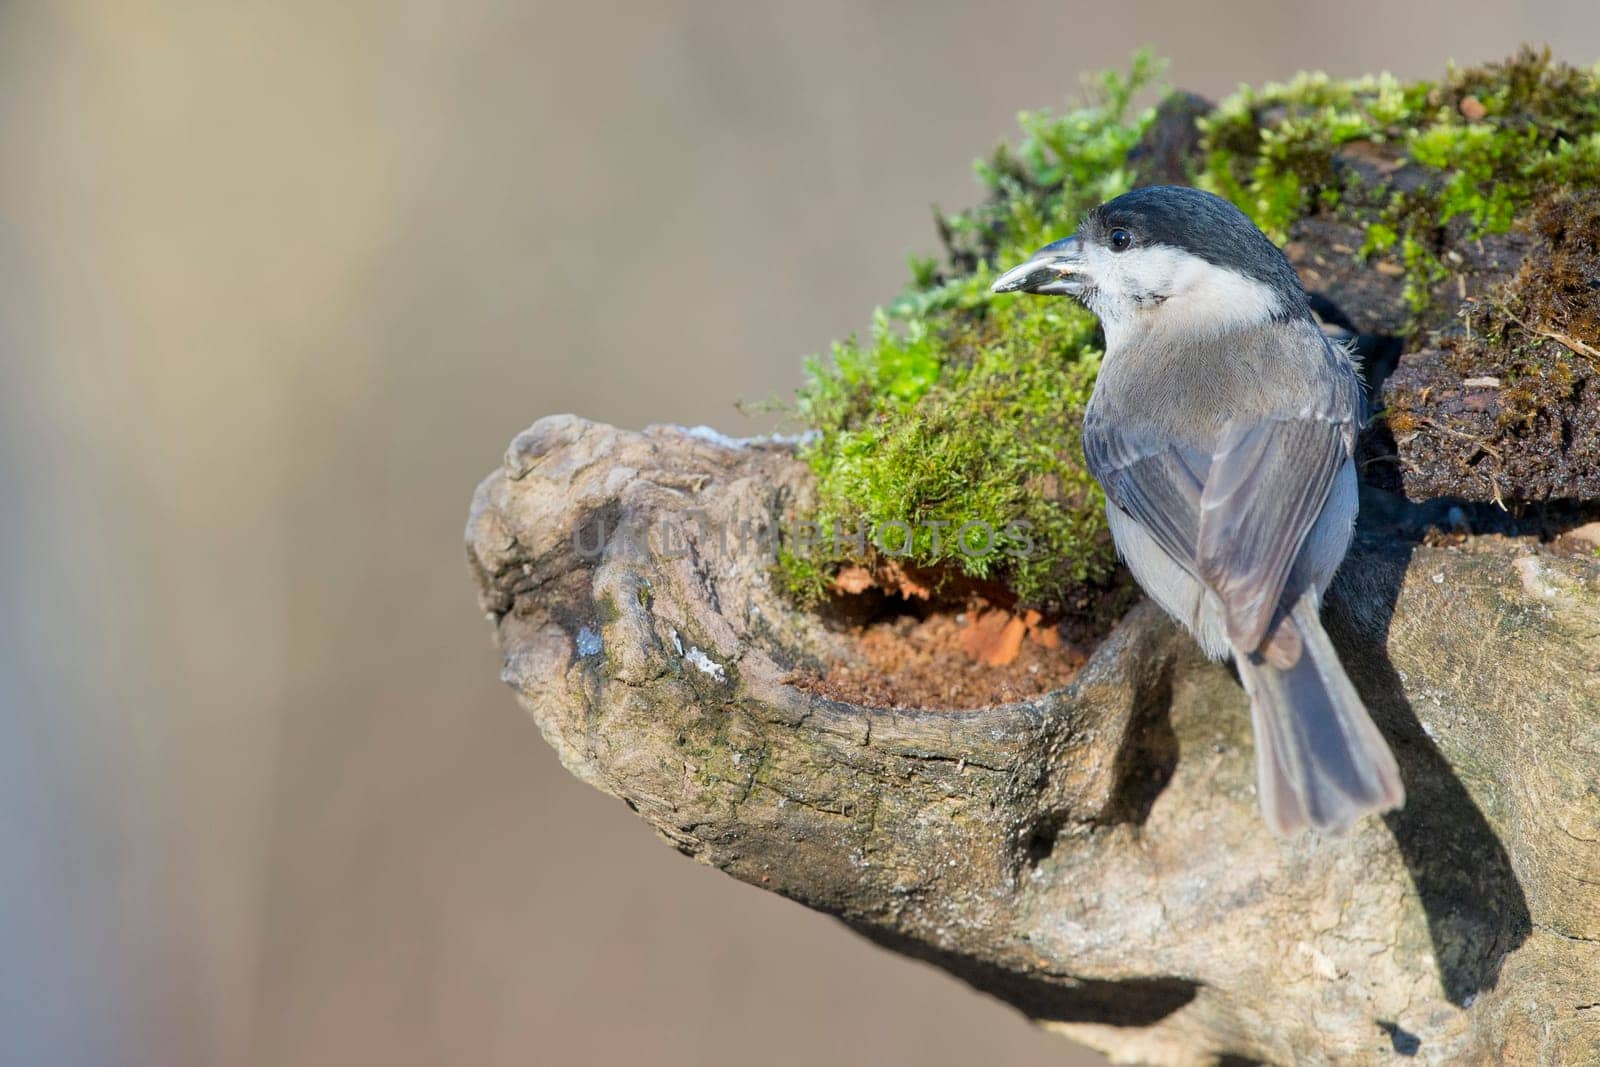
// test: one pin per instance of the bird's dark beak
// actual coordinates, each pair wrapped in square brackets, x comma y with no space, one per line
[1055,270]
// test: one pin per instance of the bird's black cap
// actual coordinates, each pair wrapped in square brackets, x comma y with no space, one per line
[1202,224]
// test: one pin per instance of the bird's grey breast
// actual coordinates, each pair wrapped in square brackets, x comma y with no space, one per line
[1192,388]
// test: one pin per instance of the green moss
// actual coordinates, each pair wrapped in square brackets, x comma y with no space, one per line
[1271,150]
[977,470]
[804,576]
[1475,150]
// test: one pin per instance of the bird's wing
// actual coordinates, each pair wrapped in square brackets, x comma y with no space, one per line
[1153,478]
[1268,483]
[1235,519]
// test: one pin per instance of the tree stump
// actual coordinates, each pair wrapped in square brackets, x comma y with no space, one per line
[1095,856]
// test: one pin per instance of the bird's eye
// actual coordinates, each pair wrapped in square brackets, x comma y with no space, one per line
[1120,240]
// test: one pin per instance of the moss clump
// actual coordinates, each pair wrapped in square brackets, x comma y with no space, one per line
[1527,427]
[1557,292]
[1272,150]
[1434,163]
[961,450]
[963,411]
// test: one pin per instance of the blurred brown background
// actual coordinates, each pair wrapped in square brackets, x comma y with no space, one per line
[279,281]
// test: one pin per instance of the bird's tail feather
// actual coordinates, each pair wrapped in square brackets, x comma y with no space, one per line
[1320,761]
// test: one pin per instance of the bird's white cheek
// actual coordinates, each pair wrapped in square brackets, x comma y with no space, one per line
[1117,278]
[1210,300]
[1140,278]
[1175,293]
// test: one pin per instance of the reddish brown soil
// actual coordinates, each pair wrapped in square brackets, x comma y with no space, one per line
[909,661]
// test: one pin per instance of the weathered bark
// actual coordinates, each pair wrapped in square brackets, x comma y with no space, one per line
[1094,857]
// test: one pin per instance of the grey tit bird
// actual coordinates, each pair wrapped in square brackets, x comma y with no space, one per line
[1223,429]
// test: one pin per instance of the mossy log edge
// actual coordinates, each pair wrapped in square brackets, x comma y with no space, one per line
[1094,857]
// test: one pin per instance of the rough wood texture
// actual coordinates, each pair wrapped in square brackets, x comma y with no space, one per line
[1094,857]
